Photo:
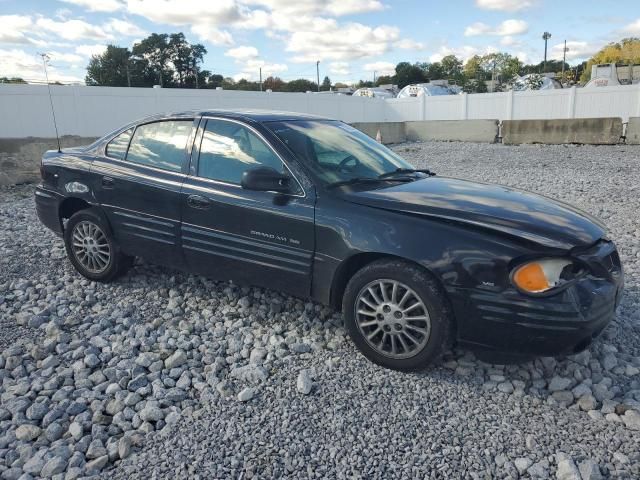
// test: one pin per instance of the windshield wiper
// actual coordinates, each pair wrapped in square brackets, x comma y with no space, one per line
[399,171]
[356,180]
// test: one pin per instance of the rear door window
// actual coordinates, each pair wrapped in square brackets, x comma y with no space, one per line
[160,144]
[117,148]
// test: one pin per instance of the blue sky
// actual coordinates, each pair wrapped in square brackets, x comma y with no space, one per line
[351,38]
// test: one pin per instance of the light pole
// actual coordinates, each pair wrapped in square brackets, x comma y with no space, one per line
[564,58]
[545,36]
[318,73]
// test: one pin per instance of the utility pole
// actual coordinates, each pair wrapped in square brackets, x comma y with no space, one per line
[564,58]
[260,78]
[374,77]
[318,73]
[126,66]
[545,36]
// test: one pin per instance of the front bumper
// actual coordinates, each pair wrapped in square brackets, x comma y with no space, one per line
[508,325]
[47,207]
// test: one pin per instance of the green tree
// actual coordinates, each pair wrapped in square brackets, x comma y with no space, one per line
[155,52]
[385,80]
[452,68]
[113,68]
[326,84]
[407,74]
[275,84]
[185,59]
[301,85]
[12,80]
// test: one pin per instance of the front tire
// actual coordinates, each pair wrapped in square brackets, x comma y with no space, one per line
[92,249]
[397,315]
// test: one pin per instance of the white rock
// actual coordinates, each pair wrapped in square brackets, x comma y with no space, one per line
[28,432]
[567,469]
[304,384]
[178,358]
[246,394]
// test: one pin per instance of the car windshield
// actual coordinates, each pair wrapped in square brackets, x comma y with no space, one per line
[337,152]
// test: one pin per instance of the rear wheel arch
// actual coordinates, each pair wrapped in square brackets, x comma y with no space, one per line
[72,205]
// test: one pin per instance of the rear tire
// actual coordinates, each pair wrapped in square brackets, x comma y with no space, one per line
[397,315]
[92,249]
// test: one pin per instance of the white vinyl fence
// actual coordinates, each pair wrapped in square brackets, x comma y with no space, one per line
[94,111]
[621,101]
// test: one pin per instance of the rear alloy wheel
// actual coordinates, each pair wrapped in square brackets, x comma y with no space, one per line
[397,315]
[92,249]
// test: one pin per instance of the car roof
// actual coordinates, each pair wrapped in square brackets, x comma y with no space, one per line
[239,114]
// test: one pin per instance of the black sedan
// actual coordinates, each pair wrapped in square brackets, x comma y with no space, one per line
[317,209]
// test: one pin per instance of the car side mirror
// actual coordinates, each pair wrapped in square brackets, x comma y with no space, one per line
[265,179]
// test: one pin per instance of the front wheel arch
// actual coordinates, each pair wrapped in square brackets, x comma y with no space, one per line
[423,283]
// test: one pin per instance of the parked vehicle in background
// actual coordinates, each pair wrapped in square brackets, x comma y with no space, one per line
[610,74]
[317,209]
[433,88]
[374,93]
[535,81]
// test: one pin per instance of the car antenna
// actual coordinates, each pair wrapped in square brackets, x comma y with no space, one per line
[45,59]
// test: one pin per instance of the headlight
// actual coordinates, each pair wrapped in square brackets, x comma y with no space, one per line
[542,275]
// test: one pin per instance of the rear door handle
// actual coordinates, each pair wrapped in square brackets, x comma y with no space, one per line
[198,201]
[107,182]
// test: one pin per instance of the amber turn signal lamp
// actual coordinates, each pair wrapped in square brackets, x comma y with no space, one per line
[531,278]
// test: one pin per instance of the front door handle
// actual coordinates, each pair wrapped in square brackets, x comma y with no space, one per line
[198,201]
[107,182]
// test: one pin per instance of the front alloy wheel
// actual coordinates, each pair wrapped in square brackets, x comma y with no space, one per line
[392,318]
[397,314]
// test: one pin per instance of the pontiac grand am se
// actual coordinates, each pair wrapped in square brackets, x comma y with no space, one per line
[312,207]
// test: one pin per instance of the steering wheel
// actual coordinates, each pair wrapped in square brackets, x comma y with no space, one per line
[343,163]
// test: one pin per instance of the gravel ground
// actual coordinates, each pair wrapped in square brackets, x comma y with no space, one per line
[168,375]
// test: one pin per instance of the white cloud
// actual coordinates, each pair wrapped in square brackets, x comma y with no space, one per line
[509,41]
[508,27]
[187,12]
[90,50]
[242,53]
[251,70]
[248,59]
[213,35]
[381,68]
[58,57]
[12,28]
[348,42]
[576,50]
[98,5]
[339,68]
[505,5]
[73,29]
[464,52]
[632,28]
[333,8]
[18,63]
[408,44]
[124,28]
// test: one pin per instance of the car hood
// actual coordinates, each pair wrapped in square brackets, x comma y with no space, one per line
[515,212]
